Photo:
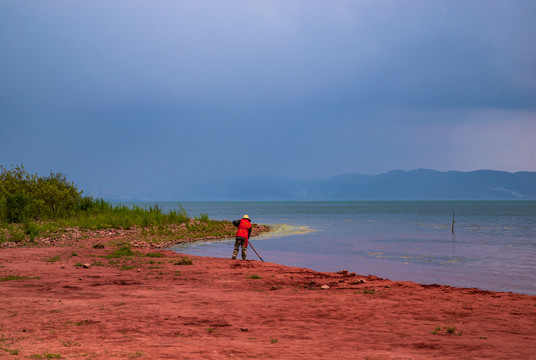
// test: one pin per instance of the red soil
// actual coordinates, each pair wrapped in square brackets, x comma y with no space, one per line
[217,309]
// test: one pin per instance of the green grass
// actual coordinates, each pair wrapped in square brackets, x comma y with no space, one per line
[124,250]
[155,255]
[17,277]
[70,343]
[46,355]
[53,259]
[203,217]
[11,351]
[254,277]
[184,261]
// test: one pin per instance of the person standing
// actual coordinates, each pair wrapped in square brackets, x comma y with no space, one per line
[242,236]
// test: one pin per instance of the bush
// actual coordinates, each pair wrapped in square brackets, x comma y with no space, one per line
[23,195]
[14,207]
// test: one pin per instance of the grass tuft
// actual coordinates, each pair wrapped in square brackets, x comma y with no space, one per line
[53,259]
[124,250]
[184,261]
[154,255]
[17,277]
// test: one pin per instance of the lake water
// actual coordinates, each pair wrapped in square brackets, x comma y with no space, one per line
[493,246]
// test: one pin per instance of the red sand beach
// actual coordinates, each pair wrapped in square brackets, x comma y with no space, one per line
[156,308]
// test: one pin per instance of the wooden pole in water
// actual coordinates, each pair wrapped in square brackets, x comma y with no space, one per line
[452,226]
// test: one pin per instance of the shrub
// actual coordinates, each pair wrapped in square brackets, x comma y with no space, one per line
[24,195]
[15,207]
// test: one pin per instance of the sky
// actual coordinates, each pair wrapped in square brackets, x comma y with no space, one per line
[132,97]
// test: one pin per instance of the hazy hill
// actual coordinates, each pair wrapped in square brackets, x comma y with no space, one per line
[419,184]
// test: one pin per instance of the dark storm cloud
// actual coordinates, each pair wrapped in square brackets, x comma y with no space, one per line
[166,92]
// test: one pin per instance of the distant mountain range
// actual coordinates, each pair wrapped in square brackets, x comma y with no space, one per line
[419,184]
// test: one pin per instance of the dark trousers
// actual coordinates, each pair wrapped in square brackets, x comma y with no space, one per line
[240,242]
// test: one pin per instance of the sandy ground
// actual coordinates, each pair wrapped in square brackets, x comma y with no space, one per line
[155,308]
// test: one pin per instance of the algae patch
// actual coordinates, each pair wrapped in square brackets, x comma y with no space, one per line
[280,230]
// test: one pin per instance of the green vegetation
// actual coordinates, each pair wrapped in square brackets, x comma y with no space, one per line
[71,343]
[155,255]
[33,207]
[24,196]
[136,355]
[124,250]
[46,355]
[10,351]
[203,217]
[448,330]
[254,277]
[17,277]
[53,259]
[184,261]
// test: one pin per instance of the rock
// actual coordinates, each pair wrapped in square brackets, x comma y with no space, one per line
[244,329]
[86,266]
[324,287]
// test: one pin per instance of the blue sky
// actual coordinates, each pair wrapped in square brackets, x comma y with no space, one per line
[125,96]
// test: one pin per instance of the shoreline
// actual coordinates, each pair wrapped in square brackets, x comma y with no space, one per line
[77,301]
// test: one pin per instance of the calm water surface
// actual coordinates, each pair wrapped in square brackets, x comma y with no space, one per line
[493,246]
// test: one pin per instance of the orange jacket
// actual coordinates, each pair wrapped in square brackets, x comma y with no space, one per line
[244,229]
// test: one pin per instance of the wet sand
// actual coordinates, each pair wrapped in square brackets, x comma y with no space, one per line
[156,308]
